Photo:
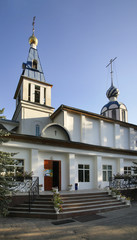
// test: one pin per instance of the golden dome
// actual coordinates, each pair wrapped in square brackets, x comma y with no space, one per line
[33,40]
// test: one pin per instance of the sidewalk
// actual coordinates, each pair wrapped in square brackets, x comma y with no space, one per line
[118,224]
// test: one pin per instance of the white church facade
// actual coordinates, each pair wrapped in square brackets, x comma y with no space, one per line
[68,145]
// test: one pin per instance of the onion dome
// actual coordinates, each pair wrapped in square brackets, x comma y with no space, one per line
[33,40]
[112,92]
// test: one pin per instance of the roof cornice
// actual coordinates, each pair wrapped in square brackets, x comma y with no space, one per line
[68,144]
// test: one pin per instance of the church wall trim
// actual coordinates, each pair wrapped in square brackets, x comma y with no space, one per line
[69,144]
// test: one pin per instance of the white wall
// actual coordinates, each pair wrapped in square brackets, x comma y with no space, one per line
[59,118]
[74,126]
[124,138]
[90,131]
[30,118]
[21,153]
[107,134]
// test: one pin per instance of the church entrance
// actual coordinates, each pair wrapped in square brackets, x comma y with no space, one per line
[52,174]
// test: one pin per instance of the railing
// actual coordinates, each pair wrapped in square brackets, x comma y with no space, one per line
[123,183]
[21,185]
[33,192]
[29,186]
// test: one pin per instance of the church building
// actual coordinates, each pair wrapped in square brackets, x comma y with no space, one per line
[67,145]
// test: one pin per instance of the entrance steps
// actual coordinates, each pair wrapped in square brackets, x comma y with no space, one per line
[73,205]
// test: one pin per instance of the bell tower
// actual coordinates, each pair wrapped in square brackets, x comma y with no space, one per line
[33,94]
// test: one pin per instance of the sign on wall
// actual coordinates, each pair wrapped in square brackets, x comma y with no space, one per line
[48,172]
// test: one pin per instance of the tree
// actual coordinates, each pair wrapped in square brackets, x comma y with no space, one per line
[135,168]
[6,182]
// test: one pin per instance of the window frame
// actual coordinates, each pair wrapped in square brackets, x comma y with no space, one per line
[128,170]
[106,172]
[37,94]
[83,173]
[37,130]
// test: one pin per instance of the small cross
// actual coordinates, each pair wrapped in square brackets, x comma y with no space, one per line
[33,23]
[110,63]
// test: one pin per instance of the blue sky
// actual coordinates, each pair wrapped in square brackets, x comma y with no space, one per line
[77,39]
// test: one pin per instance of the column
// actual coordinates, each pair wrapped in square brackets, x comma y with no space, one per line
[65,119]
[99,177]
[101,133]
[41,95]
[34,162]
[120,167]
[131,139]
[117,136]
[83,129]
[72,170]
[32,93]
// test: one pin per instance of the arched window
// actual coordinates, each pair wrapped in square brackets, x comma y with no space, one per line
[34,64]
[37,130]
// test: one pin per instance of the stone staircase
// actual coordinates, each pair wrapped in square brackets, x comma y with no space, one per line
[73,205]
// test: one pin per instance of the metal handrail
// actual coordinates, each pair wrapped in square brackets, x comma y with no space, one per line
[33,192]
[122,183]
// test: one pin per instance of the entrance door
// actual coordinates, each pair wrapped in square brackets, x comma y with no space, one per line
[52,176]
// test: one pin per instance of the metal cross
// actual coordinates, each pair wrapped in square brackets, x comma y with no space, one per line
[110,63]
[33,23]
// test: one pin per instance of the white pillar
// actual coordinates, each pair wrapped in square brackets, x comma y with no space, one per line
[65,119]
[131,138]
[99,171]
[34,162]
[101,133]
[72,170]
[117,136]
[83,129]
[120,168]
[41,95]
[32,93]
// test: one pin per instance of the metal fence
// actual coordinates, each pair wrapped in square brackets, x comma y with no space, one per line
[123,183]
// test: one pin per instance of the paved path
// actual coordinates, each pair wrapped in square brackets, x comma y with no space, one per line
[119,224]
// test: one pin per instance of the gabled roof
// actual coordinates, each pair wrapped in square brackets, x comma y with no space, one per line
[91,115]
[29,71]
[8,125]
